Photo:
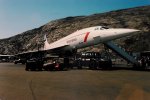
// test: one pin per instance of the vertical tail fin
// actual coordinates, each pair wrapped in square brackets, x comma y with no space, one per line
[45,38]
[46,44]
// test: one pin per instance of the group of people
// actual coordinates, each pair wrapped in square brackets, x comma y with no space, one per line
[145,61]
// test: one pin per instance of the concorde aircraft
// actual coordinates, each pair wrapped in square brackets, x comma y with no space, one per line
[86,37]
[68,45]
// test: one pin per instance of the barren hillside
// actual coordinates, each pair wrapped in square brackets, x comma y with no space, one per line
[138,18]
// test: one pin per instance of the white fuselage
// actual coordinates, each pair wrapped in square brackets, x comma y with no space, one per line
[89,36]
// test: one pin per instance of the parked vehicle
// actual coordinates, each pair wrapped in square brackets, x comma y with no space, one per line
[93,60]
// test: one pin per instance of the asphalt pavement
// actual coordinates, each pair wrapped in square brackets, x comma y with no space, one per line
[119,84]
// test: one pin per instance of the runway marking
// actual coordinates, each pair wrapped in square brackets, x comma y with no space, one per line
[30,86]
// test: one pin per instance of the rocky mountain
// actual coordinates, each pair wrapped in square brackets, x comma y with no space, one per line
[138,18]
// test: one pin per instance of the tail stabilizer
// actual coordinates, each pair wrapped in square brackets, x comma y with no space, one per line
[46,44]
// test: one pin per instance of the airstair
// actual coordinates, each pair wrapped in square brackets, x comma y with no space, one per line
[121,52]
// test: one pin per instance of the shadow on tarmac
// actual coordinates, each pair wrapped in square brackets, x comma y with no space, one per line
[126,67]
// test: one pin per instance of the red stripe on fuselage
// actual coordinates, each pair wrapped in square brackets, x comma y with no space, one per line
[86,36]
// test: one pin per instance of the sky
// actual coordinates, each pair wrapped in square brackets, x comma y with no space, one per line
[17,16]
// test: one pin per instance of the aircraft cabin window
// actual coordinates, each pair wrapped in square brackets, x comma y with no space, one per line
[96,28]
[101,28]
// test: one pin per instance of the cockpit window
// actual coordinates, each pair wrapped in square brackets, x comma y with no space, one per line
[105,27]
[101,28]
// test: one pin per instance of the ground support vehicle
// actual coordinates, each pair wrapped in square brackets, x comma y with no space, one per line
[93,60]
[35,61]
[34,64]
[54,64]
[22,61]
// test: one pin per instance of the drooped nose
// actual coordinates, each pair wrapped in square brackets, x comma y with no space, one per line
[125,31]
[118,33]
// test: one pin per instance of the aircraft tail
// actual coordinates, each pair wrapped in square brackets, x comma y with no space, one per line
[46,44]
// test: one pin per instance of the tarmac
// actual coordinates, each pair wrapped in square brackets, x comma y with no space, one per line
[118,84]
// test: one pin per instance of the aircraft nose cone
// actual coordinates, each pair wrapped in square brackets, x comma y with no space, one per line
[123,31]
[119,33]
[130,30]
